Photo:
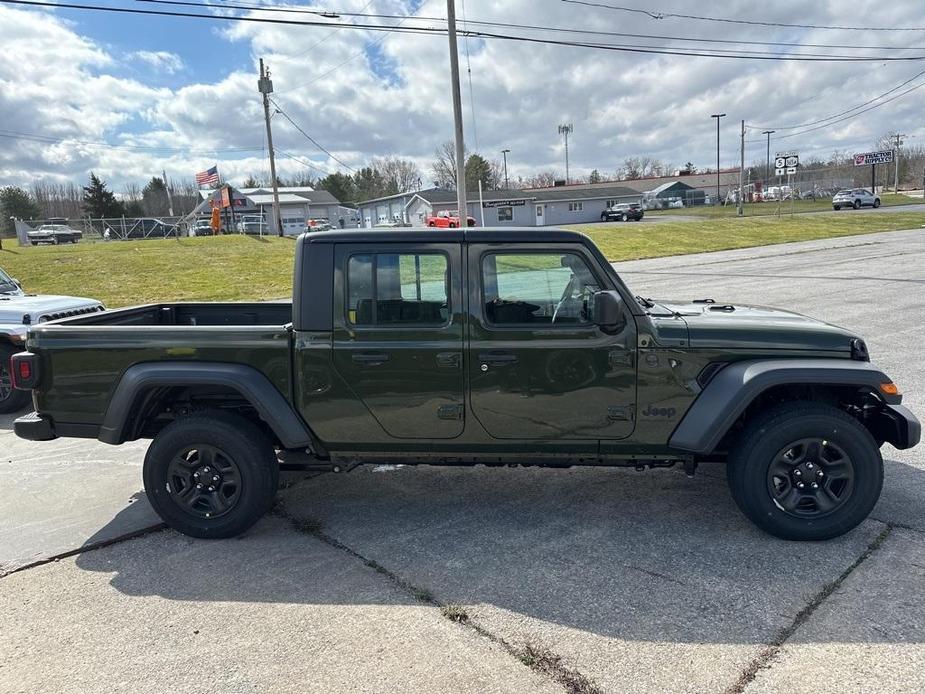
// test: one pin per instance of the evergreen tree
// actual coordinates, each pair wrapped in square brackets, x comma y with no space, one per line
[341,186]
[478,169]
[595,177]
[99,201]
[15,202]
[154,198]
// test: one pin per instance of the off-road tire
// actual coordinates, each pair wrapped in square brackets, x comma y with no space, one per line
[756,449]
[238,441]
[11,400]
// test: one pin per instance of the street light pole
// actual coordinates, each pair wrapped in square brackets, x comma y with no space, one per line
[565,129]
[457,115]
[717,116]
[768,162]
[504,153]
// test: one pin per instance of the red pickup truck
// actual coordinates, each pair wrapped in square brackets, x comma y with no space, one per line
[448,219]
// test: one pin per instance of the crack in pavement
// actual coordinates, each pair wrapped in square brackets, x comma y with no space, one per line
[537,658]
[773,649]
[141,532]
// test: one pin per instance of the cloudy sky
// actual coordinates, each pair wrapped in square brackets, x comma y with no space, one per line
[130,95]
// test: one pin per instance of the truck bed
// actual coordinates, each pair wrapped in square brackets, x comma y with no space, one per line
[84,357]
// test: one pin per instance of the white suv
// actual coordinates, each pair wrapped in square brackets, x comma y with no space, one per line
[855,197]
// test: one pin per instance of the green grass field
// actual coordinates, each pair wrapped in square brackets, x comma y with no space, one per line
[239,268]
[759,209]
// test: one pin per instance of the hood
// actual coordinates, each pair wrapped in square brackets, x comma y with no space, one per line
[40,307]
[739,326]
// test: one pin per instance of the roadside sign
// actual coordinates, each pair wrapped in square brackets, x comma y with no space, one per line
[786,163]
[868,158]
[780,162]
[791,170]
[779,171]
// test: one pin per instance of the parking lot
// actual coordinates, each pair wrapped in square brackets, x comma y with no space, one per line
[489,580]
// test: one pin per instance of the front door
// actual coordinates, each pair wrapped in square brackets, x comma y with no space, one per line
[398,335]
[538,368]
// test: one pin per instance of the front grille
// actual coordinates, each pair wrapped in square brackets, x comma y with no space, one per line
[70,313]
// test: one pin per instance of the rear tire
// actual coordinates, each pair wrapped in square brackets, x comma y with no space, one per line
[451,225]
[836,207]
[790,445]
[211,475]
[624,217]
[876,203]
[857,204]
[10,400]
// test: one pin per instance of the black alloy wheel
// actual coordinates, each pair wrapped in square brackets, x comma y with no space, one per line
[810,478]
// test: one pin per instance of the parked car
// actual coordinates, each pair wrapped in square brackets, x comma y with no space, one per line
[54,234]
[251,224]
[856,198]
[442,354]
[201,227]
[447,219]
[321,224]
[623,212]
[19,311]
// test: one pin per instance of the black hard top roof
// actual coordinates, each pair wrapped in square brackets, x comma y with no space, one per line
[433,235]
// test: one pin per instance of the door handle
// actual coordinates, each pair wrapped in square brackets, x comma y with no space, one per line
[371,358]
[497,358]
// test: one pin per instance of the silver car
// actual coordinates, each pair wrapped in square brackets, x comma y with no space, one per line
[856,198]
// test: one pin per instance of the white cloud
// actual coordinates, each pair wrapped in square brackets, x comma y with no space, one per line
[163,61]
[622,104]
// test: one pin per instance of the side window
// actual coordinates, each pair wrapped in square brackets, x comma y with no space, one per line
[537,288]
[505,214]
[397,289]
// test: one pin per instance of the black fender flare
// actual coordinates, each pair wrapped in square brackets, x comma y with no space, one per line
[253,386]
[737,385]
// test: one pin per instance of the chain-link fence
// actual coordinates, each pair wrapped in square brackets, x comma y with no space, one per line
[57,231]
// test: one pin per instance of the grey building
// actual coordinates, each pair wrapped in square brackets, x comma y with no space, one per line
[296,206]
[540,207]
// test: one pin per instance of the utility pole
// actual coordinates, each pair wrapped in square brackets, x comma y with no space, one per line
[717,116]
[457,116]
[265,85]
[504,153]
[565,129]
[169,199]
[741,210]
[899,141]
[768,162]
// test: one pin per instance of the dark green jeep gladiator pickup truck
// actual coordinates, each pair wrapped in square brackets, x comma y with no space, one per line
[476,346]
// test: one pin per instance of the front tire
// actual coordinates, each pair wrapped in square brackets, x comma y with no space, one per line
[836,207]
[857,204]
[876,203]
[211,474]
[624,217]
[805,471]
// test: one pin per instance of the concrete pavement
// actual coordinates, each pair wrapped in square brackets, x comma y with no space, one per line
[575,580]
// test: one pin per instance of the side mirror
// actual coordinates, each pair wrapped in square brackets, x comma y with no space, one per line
[606,311]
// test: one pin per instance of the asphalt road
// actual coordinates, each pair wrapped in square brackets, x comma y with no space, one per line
[567,580]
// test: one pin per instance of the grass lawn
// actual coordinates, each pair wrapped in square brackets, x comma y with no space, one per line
[629,241]
[122,273]
[241,268]
[770,208]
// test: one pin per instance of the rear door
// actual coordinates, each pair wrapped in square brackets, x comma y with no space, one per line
[398,335]
[538,368]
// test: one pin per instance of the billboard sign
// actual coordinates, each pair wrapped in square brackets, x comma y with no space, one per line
[867,158]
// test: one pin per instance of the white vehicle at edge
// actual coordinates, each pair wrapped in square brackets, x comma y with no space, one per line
[856,198]
[19,310]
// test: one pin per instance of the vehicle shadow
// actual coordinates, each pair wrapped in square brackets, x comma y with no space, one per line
[635,556]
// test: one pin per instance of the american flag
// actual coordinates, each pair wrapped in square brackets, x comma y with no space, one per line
[209,177]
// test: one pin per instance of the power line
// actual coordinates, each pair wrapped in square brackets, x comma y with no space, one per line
[309,137]
[668,15]
[377,42]
[303,162]
[822,120]
[853,115]
[475,130]
[328,36]
[478,34]
[536,27]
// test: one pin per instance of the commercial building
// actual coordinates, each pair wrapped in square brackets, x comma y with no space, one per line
[296,206]
[541,207]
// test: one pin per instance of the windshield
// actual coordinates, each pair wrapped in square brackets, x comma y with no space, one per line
[7,285]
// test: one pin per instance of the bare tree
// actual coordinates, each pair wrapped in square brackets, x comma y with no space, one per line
[399,175]
[443,166]
[542,179]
